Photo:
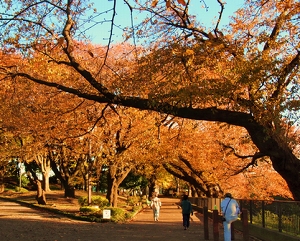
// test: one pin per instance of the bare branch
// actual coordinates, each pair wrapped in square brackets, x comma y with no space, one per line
[220,17]
[254,158]
[110,36]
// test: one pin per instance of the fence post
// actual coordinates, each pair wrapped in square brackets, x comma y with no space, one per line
[245,225]
[216,225]
[263,214]
[279,218]
[205,216]
[232,231]
[251,211]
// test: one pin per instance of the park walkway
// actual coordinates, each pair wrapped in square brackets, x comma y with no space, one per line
[20,223]
[170,226]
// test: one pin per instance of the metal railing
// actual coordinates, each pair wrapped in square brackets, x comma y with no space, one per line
[282,216]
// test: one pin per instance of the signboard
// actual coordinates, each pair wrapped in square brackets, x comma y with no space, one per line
[106,214]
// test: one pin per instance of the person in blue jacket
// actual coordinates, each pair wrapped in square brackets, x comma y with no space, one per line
[230,210]
[187,210]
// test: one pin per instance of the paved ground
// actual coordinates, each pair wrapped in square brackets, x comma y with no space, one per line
[22,223]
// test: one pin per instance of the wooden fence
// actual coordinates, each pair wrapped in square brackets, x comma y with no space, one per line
[266,220]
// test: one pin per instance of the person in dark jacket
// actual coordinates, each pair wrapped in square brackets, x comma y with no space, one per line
[187,210]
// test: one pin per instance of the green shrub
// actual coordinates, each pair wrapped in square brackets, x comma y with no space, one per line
[129,215]
[132,200]
[143,199]
[24,181]
[88,209]
[136,209]
[54,187]
[96,201]
[22,190]
[117,215]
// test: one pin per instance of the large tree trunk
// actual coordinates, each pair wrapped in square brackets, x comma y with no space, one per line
[69,192]
[44,163]
[283,160]
[151,186]
[69,189]
[85,177]
[114,194]
[41,194]
[46,180]
[193,191]
[112,191]
[1,183]
[2,172]
[116,174]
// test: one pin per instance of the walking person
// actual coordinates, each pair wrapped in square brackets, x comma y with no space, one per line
[187,210]
[230,210]
[155,205]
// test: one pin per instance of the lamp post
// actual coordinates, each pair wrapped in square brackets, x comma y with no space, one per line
[89,175]
[20,174]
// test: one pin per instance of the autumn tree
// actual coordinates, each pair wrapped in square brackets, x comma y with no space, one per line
[246,74]
[124,140]
[214,157]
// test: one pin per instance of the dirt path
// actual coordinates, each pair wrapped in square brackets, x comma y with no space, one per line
[22,223]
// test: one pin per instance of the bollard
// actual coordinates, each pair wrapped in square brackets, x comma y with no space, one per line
[245,225]
[216,225]
[205,221]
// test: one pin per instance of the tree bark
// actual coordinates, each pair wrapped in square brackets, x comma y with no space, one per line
[111,191]
[69,191]
[282,157]
[44,163]
[1,183]
[151,186]
[116,174]
[46,180]
[41,194]
[2,172]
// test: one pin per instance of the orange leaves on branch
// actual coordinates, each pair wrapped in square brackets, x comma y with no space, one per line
[168,3]
[182,2]
[154,3]
[90,53]
[60,41]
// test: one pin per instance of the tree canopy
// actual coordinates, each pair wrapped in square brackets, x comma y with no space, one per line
[245,74]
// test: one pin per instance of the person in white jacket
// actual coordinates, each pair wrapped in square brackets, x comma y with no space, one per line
[155,205]
[230,210]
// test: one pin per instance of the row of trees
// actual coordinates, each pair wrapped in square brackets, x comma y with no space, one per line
[246,75]
[49,130]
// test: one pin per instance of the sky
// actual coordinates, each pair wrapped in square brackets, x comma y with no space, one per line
[100,34]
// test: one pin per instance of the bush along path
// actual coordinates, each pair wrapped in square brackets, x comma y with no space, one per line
[78,208]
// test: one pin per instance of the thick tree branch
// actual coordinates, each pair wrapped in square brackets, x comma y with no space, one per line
[216,30]
[276,29]
[284,78]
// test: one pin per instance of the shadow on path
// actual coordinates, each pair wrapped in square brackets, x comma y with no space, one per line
[19,223]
